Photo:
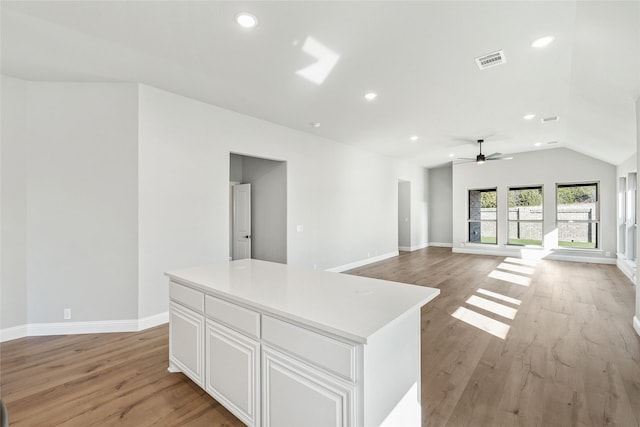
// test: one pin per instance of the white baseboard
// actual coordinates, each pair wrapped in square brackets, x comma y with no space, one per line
[92,327]
[365,261]
[73,328]
[518,254]
[636,324]
[153,321]
[491,252]
[627,270]
[441,244]
[586,259]
[412,248]
[13,333]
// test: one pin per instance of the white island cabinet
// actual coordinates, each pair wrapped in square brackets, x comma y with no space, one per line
[283,346]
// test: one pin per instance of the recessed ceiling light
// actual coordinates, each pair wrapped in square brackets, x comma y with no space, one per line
[451,154]
[246,20]
[414,138]
[538,144]
[542,41]
[370,96]
[529,116]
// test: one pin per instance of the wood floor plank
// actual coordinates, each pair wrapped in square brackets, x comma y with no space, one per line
[569,357]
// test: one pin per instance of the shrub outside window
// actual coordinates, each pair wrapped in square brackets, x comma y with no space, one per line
[578,215]
[525,216]
[482,216]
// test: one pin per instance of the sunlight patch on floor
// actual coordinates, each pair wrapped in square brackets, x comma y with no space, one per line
[499,296]
[480,321]
[493,307]
[516,268]
[511,278]
[529,262]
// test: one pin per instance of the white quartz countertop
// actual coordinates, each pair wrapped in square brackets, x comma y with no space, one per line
[351,307]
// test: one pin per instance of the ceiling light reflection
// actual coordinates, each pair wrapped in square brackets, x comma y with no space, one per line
[246,20]
[326,60]
[542,41]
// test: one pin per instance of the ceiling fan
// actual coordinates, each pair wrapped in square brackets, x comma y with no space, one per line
[481,158]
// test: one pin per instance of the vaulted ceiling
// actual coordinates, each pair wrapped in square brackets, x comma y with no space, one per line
[313,62]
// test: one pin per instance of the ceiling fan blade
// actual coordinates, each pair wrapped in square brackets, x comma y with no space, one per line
[466,158]
[493,155]
[500,158]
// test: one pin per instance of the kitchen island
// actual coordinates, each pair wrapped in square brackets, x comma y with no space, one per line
[284,346]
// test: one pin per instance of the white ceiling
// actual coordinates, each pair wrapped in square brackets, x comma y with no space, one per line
[418,57]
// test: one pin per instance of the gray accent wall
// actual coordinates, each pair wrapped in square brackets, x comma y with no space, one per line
[440,206]
[404,215]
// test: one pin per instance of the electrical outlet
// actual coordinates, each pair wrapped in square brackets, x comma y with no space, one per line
[67,313]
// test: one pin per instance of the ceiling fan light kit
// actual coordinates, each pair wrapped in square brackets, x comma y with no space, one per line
[481,158]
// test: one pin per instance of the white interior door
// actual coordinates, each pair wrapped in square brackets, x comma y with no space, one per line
[242,221]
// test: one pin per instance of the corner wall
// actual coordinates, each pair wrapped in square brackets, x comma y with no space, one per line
[82,201]
[13,204]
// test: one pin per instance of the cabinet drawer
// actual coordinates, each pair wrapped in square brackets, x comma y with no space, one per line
[234,316]
[187,296]
[328,353]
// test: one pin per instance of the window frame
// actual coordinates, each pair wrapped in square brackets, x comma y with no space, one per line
[526,221]
[580,221]
[480,221]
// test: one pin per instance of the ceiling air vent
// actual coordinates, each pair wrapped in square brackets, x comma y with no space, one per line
[491,59]
[550,119]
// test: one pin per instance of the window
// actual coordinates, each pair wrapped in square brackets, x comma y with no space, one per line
[630,216]
[525,216]
[482,217]
[578,215]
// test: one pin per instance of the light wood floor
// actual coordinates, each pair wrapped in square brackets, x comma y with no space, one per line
[569,355]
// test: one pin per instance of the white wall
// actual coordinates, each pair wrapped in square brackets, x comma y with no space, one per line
[82,201]
[440,206]
[545,167]
[124,182]
[13,227]
[344,198]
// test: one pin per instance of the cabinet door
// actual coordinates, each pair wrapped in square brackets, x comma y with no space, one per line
[186,336]
[233,371]
[296,394]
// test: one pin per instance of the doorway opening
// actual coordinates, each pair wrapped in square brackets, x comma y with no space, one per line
[257,208]
[404,215]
